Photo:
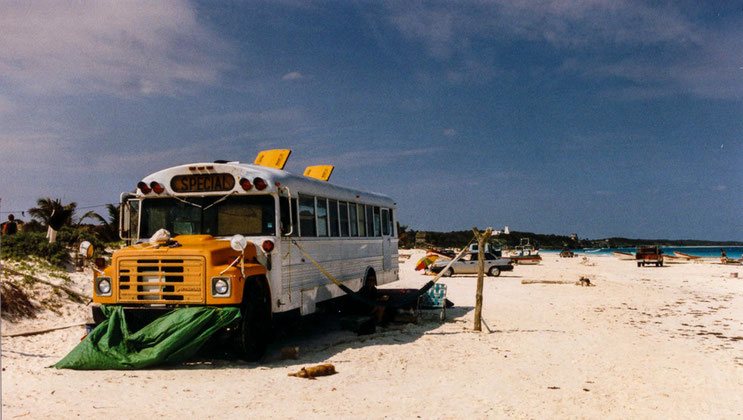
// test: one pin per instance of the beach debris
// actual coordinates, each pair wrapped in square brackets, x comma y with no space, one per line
[585,261]
[66,289]
[290,353]
[313,371]
[546,282]
[44,331]
[584,281]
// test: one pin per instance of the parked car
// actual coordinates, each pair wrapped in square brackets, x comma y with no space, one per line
[468,264]
[649,255]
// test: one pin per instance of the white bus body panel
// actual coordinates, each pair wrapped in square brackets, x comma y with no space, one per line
[295,282]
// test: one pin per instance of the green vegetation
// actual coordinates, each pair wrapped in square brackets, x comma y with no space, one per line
[31,240]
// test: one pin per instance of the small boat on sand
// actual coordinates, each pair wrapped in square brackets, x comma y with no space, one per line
[693,258]
[525,254]
[673,259]
[624,255]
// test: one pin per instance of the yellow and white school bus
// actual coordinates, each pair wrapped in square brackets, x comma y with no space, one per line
[232,234]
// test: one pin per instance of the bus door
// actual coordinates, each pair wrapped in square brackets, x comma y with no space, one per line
[386,240]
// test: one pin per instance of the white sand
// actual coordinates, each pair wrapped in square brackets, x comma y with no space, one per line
[644,343]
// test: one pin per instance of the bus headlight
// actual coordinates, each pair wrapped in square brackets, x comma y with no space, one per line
[221,287]
[103,286]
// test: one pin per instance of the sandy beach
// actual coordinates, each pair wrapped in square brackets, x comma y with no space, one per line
[649,342]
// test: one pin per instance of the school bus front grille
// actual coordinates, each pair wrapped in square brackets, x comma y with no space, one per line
[161,280]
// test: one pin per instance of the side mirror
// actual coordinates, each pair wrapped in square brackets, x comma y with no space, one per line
[239,243]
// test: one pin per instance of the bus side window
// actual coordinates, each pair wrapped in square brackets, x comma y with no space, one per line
[333,217]
[343,207]
[286,221]
[377,222]
[370,221]
[322,217]
[362,220]
[284,214]
[353,219]
[392,224]
[385,222]
[307,216]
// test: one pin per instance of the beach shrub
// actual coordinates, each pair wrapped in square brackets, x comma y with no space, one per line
[22,245]
[71,238]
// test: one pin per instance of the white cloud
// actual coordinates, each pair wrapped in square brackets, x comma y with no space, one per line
[720,187]
[121,48]
[450,132]
[295,75]
[698,60]
[445,27]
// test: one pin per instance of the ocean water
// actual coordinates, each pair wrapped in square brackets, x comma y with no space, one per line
[700,251]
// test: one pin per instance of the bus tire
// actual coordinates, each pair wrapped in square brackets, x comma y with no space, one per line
[255,324]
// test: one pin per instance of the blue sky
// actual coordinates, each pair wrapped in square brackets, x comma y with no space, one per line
[601,117]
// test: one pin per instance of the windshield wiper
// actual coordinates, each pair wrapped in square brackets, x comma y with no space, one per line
[219,201]
[183,200]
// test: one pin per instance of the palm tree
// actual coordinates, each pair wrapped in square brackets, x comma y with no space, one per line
[48,207]
[109,228]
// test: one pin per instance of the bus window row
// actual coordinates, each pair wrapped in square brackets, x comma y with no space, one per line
[322,217]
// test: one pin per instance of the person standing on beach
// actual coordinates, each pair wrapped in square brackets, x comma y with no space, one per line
[10,227]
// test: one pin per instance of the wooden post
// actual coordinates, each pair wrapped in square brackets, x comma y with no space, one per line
[482,239]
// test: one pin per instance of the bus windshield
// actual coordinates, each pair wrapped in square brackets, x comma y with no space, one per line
[246,215]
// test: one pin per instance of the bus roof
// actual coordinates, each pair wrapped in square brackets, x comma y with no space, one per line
[275,178]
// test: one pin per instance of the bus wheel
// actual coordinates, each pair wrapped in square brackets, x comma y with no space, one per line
[255,325]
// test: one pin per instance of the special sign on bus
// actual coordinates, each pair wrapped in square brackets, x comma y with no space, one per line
[202,183]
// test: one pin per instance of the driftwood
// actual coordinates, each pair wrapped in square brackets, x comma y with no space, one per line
[55,285]
[44,331]
[546,282]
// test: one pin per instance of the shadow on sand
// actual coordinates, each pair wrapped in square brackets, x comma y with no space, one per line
[322,335]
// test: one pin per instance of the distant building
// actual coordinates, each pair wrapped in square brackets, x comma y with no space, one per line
[506,231]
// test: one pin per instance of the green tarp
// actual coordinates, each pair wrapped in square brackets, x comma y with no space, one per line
[172,338]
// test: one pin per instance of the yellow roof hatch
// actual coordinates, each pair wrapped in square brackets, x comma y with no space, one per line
[273,158]
[321,172]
